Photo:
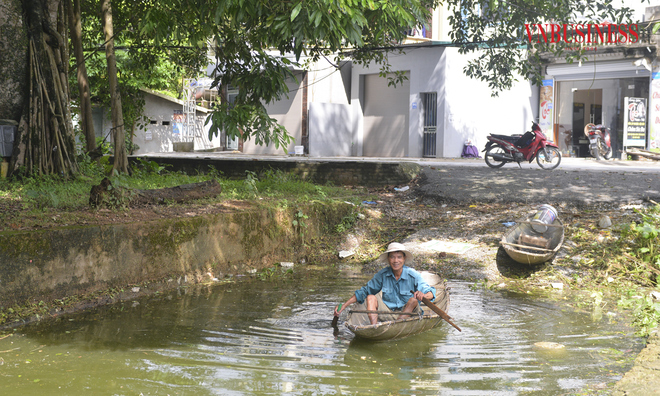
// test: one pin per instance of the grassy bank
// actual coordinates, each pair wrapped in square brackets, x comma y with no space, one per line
[49,193]
[36,203]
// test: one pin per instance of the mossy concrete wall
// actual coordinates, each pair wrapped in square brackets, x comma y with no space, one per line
[53,264]
[345,172]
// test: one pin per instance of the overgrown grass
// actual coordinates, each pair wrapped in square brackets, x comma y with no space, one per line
[640,239]
[52,200]
[627,261]
[48,193]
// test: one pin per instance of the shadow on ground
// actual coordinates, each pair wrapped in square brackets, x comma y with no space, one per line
[510,268]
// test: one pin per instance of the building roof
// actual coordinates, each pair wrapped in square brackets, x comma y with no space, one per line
[172,99]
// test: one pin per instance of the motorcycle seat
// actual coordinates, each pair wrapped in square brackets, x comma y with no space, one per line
[508,138]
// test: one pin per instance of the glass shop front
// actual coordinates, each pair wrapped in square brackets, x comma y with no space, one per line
[597,93]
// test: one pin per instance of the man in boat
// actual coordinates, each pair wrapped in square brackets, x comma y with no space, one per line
[396,283]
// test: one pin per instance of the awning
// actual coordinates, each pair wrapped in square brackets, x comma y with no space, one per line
[599,70]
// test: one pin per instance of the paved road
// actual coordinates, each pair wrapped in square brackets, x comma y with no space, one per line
[567,164]
[576,181]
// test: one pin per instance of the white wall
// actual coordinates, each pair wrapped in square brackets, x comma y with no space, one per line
[426,75]
[333,122]
[325,82]
[161,110]
[466,109]
[471,112]
[331,127]
[288,113]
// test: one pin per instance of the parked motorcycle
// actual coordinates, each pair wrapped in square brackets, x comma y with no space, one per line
[600,145]
[501,149]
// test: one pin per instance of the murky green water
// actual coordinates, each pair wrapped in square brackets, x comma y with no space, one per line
[271,338]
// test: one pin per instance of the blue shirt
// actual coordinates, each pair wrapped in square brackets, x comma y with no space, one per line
[396,293]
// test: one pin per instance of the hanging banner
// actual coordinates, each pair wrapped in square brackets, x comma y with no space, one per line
[546,97]
[634,125]
[654,113]
[178,118]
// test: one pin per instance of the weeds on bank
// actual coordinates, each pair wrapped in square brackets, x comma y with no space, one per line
[274,273]
[347,222]
[46,193]
[626,260]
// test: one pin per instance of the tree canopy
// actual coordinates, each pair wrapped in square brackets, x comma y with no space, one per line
[256,43]
[496,31]
[140,62]
[243,33]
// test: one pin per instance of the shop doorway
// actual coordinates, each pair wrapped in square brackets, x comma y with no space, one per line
[587,108]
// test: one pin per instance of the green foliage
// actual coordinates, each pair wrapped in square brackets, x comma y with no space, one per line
[140,63]
[120,195]
[495,31]
[347,222]
[273,273]
[243,33]
[267,273]
[645,235]
[105,147]
[633,262]
[275,184]
[145,167]
[52,191]
[299,224]
[48,193]
[645,310]
[251,180]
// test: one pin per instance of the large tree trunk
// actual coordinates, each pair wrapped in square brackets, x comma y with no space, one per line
[45,142]
[13,61]
[87,122]
[121,159]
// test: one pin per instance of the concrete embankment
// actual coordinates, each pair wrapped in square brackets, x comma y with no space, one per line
[644,378]
[48,265]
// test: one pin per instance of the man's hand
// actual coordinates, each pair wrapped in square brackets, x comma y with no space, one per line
[419,295]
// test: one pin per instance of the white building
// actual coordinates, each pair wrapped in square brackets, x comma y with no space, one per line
[348,110]
[352,111]
[431,114]
[162,128]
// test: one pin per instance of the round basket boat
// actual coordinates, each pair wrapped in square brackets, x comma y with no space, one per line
[527,246]
[358,321]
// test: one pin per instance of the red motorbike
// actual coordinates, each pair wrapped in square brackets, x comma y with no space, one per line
[600,145]
[501,149]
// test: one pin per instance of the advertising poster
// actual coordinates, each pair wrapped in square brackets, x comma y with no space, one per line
[634,125]
[177,121]
[654,113]
[546,107]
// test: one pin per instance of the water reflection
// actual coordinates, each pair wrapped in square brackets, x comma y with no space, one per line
[274,338]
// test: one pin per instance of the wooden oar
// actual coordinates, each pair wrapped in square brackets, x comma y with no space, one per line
[439,311]
[336,318]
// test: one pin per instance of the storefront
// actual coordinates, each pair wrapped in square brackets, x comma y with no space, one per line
[602,92]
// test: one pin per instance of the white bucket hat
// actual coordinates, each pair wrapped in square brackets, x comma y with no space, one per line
[397,247]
